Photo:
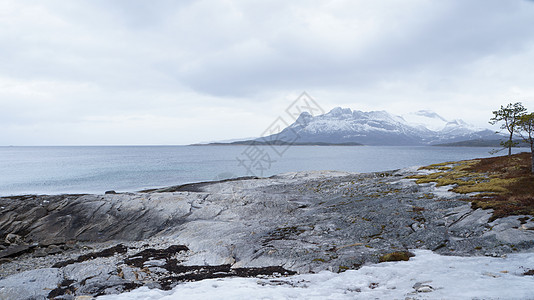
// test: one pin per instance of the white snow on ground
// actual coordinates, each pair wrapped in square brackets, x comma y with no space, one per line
[444,191]
[443,277]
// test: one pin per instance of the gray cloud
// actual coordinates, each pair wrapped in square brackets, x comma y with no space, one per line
[442,42]
[66,62]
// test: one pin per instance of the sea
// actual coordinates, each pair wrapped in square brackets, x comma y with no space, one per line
[97,169]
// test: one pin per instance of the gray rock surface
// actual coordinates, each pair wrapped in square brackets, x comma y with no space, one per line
[35,284]
[75,245]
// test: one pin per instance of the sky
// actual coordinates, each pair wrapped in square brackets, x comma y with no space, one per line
[131,72]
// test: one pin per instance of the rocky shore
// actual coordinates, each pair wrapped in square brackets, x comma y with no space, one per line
[67,246]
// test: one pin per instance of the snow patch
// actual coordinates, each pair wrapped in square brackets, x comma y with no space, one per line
[425,276]
[444,191]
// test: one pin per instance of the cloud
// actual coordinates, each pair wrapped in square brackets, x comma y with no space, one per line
[325,46]
[74,64]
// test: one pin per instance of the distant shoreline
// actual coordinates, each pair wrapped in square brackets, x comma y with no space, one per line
[277,143]
[467,143]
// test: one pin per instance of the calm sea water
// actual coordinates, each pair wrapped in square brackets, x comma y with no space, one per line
[51,170]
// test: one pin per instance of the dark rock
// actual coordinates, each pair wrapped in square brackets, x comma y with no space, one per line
[139,259]
[63,288]
[5,260]
[104,253]
[40,252]
[12,238]
[16,250]
[52,241]
[53,249]
[195,273]
[373,285]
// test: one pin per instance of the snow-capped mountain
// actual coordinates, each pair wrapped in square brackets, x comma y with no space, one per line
[343,125]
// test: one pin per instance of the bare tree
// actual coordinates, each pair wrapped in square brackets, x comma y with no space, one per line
[509,115]
[526,131]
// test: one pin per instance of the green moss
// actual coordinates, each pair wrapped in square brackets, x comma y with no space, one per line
[436,166]
[396,256]
[427,196]
[343,269]
[494,185]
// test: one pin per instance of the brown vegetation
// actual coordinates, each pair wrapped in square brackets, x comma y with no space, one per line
[502,183]
[396,256]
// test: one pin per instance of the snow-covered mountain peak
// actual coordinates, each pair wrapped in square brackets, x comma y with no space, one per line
[304,118]
[380,114]
[339,111]
[344,125]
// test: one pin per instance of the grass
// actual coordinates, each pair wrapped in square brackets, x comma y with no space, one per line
[504,184]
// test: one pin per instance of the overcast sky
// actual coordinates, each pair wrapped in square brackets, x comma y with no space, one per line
[178,72]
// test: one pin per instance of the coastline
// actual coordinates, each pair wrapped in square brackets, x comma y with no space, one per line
[80,170]
[294,222]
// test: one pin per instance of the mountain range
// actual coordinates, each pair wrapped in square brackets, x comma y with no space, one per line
[351,127]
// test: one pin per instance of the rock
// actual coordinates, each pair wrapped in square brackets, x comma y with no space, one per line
[89,256]
[40,252]
[154,257]
[5,260]
[12,238]
[16,250]
[471,220]
[154,263]
[53,249]
[423,287]
[131,273]
[34,284]
[417,226]
[295,222]
[508,230]
[93,278]
[52,241]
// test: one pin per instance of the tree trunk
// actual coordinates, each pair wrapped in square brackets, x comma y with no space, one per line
[532,156]
[510,144]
